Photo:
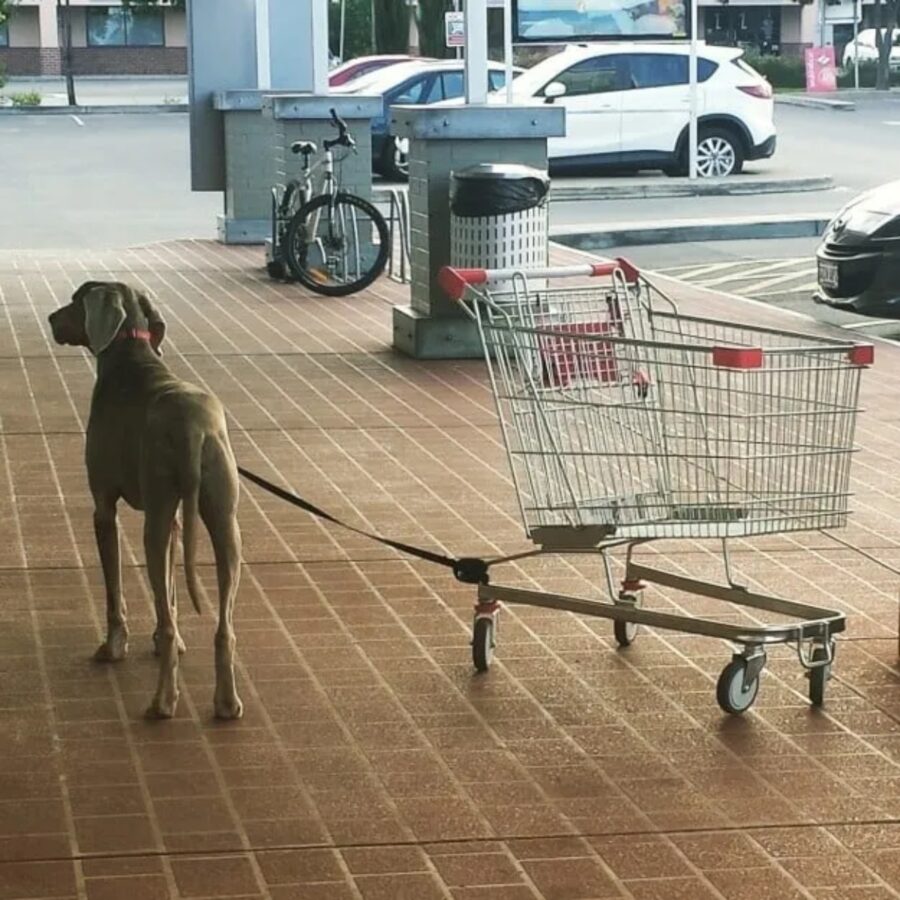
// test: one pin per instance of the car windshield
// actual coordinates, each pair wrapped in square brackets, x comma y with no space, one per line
[531,80]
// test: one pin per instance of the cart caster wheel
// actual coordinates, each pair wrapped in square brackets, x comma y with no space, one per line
[819,676]
[626,632]
[732,694]
[483,643]
[276,269]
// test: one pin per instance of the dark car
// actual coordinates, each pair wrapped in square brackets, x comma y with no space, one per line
[859,257]
[411,83]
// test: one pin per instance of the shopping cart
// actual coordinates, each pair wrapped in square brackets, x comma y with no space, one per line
[626,421]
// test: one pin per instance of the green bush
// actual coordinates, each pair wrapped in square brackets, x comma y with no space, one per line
[26,98]
[868,72]
[779,71]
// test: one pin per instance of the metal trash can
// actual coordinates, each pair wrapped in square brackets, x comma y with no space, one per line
[498,217]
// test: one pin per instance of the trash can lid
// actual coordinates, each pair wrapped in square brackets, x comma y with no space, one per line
[500,171]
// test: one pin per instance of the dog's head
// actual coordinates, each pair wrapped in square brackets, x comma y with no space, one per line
[100,311]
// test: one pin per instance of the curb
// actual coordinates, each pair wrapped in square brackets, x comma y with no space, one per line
[684,187]
[816,103]
[681,231]
[563,192]
[101,109]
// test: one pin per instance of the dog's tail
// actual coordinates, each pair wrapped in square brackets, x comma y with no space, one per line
[190,514]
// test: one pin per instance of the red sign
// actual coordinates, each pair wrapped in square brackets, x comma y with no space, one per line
[821,72]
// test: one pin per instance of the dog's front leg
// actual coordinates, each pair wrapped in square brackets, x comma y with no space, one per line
[106,530]
[158,521]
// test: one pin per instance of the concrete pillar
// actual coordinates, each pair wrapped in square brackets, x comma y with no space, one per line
[259,129]
[48,25]
[298,45]
[441,140]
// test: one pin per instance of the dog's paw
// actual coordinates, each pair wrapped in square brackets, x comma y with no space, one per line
[113,649]
[229,708]
[161,708]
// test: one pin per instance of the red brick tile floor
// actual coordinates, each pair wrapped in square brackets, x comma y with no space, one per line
[372,763]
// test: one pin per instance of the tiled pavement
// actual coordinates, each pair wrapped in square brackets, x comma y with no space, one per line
[371,763]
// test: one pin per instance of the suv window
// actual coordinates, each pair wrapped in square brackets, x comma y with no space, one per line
[412,92]
[453,85]
[649,70]
[598,75]
[496,79]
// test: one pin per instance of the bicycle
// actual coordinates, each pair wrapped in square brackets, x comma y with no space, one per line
[333,242]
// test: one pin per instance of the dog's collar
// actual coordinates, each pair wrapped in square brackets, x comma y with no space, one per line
[133,334]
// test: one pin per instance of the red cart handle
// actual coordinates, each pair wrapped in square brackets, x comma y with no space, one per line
[454,281]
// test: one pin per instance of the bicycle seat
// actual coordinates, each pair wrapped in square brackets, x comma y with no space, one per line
[307,148]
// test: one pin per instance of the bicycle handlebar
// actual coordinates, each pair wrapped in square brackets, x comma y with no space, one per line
[344,138]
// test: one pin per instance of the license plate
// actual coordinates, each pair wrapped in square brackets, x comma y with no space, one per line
[828,274]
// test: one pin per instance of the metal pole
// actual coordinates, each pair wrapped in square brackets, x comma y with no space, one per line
[319,48]
[692,81]
[458,50]
[263,53]
[476,51]
[857,9]
[508,48]
[343,29]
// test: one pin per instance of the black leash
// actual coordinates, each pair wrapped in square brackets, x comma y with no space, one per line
[467,569]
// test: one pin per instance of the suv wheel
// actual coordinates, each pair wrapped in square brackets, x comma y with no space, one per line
[719,153]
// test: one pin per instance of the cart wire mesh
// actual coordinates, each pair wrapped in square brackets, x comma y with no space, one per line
[618,411]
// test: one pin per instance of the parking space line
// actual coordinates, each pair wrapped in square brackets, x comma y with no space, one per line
[871,323]
[688,272]
[756,272]
[781,279]
[77,121]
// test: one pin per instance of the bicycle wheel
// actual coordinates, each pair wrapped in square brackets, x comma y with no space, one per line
[337,246]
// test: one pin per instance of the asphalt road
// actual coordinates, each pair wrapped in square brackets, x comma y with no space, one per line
[112,180]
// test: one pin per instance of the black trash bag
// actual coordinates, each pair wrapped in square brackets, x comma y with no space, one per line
[496,189]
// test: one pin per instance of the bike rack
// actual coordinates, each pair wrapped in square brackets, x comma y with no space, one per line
[398,228]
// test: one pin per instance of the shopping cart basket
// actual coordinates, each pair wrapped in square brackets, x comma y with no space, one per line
[626,421]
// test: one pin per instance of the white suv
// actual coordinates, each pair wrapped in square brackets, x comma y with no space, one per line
[628,106]
[868,49]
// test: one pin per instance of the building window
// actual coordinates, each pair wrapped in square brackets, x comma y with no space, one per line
[4,34]
[115,26]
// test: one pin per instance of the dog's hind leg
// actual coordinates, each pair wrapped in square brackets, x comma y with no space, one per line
[106,530]
[218,509]
[158,520]
[173,545]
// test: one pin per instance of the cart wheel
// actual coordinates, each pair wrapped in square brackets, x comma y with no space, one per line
[483,643]
[733,696]
[819,676]
[276,269]
[626,632]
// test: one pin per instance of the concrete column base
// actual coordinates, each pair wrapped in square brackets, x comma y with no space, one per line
[435,337]
[243,231]
[259,128]
[442,139]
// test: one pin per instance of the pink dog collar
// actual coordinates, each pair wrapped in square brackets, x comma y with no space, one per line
[134,334]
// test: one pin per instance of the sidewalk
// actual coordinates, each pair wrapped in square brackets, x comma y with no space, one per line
[97,91]
[371,763]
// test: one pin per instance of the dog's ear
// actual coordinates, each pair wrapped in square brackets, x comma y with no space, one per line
[85,288]
[104,314]
[155,323]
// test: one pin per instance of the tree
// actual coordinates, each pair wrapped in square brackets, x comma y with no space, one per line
[391,25]
[431,27]
[886,17]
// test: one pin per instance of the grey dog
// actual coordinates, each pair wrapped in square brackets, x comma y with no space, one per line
[159,444]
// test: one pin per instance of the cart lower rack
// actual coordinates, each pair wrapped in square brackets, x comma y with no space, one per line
[626,421]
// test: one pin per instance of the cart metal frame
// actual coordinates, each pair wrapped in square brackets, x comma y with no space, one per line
[642,341]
